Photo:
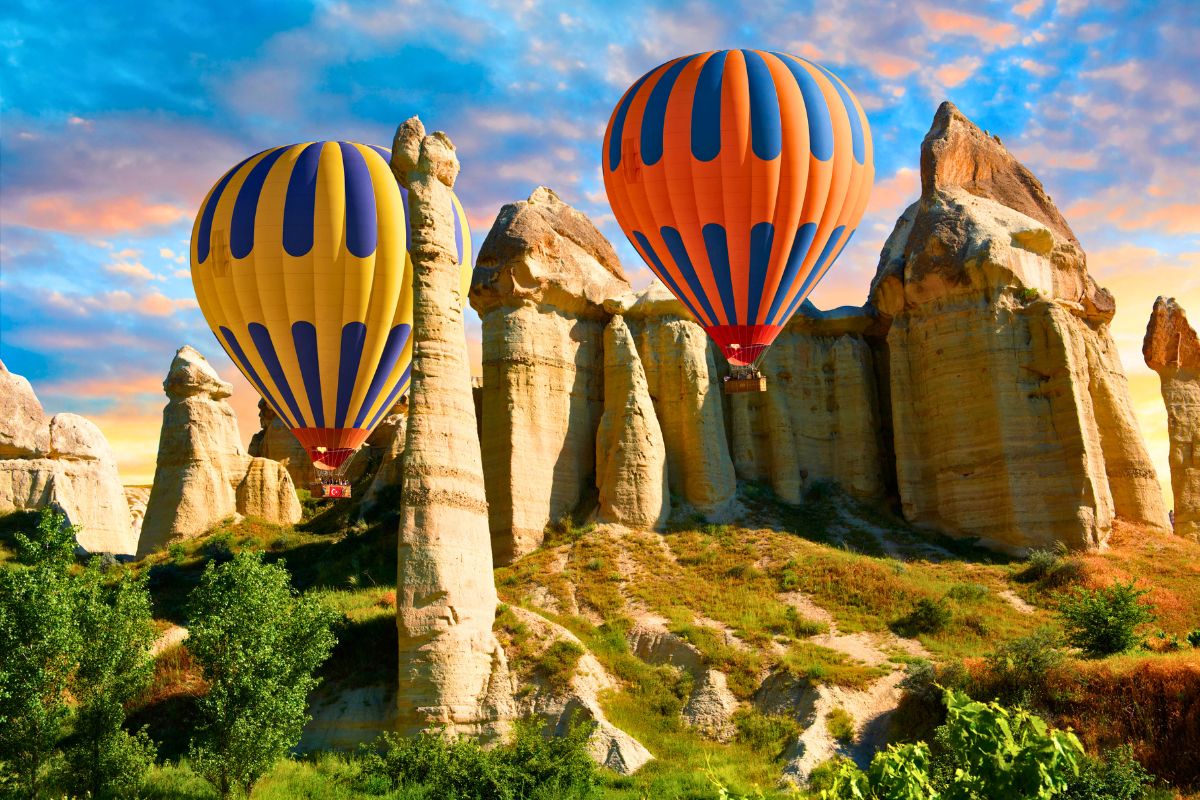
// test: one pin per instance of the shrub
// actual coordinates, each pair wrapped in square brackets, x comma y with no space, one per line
[530,767]
[840,725]
[1019,669]
[927,616]
[558,663]
[1193,638]
[967,592]
[1102,622]
[769,734]
[1115,776]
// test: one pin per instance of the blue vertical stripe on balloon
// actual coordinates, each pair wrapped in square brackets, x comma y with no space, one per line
[717,245]
[204,235]
[354,334]
[383,152]
[407,221]
[396,339]
[655,115]
[266,351]
[618,123]
[706,108]
[814,275]
[665,276]
[458,233]
[683,261]
[361,224]
[239,355]
[762,237]
[800,246]
[301,201]
[304,336]
[766,128]
[820,124]
[856,126]
[245,208]
[393,395]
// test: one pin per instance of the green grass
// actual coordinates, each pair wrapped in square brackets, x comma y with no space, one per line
[840,725]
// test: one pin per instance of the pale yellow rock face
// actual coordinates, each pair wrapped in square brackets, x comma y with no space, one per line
[631,456]
[203,474]
[63,461]
[389,437]
[685,386]
[1010,409]
[1172,349]
[277,443]
[453,671]
[819,419]
[541,278]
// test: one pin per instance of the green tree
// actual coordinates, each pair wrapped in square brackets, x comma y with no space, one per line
[39,640]
[115,664]
[258,643]
[1102,622]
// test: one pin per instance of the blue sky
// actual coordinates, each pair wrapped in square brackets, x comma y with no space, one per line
[117,118]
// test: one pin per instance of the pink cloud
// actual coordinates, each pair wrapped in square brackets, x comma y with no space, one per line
[94,216]
[956,72]
[1027,9]
[889,65]
[943,22]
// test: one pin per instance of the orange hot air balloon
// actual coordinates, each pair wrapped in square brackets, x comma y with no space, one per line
[739,176]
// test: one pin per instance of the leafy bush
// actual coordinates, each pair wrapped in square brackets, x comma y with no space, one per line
[1194,638]
[530,767]
[769,734]
[1102,622]
[984,751]
[1116,776]
[1020,669]
[967,592]
[840,725]
[927,616]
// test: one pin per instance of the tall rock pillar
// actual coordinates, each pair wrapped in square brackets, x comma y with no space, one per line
[1172,349]
[452,670]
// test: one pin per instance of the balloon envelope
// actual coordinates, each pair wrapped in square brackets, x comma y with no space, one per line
[300,264]
[739,176]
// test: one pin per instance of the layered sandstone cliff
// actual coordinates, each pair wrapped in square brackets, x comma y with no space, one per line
[539,285]
[1011,414]
[819,419]
[1172,349]
[203,474]
[62,461]
[453,672]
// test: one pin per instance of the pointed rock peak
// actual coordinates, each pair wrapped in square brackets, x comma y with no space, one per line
[956,153]
[191,374]
[1171,342]
[544,251]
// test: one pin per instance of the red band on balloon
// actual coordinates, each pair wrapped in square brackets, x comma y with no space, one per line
[742,344]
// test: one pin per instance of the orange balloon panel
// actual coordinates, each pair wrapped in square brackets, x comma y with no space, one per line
[739,176]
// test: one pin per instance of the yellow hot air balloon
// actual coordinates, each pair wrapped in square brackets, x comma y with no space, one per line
[300,264]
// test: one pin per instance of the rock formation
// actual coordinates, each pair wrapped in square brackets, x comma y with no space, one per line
[453,671]
[203,474]
[388,438]
[63,461]
[539,285]
[1011,414]
[819,420]
[631,458]
[277,443]
[1172,349]
[684,380]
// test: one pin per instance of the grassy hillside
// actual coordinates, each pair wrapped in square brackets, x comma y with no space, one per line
[788,591]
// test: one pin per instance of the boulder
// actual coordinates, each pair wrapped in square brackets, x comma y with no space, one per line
[453,672]
[539,285]
[276,442]
[1010,410]
[63,461]
[1172,349]
[631,458]
[684,382]
[203,474]
[819,419]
